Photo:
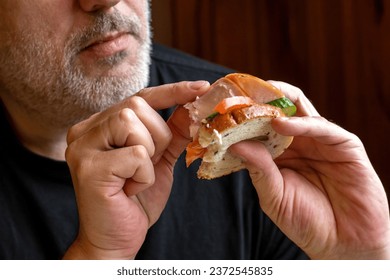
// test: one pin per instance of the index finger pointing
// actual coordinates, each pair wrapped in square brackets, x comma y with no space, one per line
[168,95]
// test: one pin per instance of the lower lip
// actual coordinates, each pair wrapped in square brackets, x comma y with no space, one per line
[110,47]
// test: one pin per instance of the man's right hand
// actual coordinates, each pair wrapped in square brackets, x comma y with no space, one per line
[121,161]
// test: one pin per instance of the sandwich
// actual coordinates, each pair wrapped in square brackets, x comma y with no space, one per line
[237,107]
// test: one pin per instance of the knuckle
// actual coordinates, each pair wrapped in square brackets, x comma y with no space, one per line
[135,103]
[72,134]
[126,115]
[150,180]
[140,152]
[176,87]
[77,130]
[355,139]
[124,120]
[69,153]
[72,157]
[143,92]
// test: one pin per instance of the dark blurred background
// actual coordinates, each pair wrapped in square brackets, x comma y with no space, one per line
[336,51]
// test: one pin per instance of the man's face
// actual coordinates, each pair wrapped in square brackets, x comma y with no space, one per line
[71,58]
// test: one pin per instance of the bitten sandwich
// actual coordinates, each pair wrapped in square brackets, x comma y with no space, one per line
[237,107]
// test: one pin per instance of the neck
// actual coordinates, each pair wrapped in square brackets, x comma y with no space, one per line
[36,134]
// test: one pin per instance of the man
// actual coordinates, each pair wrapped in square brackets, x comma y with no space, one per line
[76,63]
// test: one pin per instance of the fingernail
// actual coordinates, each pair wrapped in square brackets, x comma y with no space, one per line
[198,84]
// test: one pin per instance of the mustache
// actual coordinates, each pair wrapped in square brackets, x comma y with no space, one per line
[103,24]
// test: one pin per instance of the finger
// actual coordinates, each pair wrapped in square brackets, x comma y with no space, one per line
[154,198]
[169,95]
[140,125]
[318,128]
[154,123]
[179,123]
[263,171]
[160,97]
[136,104]
[132,173]
[79,129]
[120,130]
[296,95]
[135,167]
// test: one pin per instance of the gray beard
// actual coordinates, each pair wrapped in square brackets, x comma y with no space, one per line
[55,89]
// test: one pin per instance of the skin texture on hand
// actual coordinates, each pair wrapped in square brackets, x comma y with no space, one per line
[121,162]
[323,191]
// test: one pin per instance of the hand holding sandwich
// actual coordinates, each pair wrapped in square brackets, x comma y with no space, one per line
[323,191]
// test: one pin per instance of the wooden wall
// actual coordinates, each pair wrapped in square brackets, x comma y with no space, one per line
[336,51]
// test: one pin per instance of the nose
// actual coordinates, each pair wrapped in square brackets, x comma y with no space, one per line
[95,5]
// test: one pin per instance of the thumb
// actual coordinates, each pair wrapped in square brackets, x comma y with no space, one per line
[179,123]
[265,174]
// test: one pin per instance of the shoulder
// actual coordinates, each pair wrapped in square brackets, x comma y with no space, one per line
[170,65]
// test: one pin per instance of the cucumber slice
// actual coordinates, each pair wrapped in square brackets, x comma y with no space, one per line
[285,104]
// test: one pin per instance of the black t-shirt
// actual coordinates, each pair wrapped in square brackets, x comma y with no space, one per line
[216,219]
